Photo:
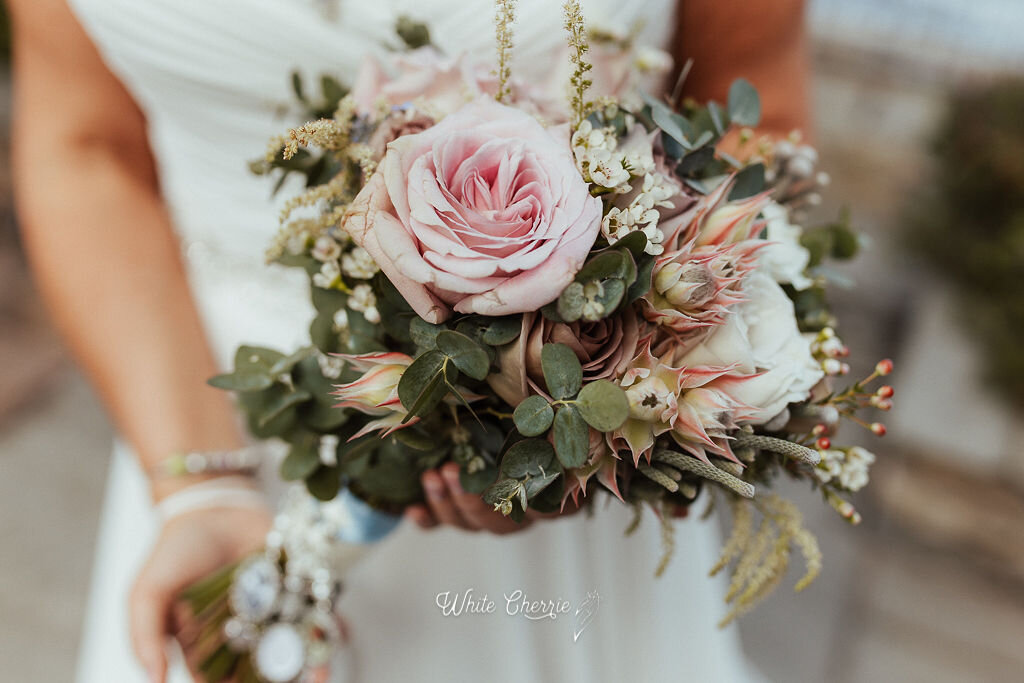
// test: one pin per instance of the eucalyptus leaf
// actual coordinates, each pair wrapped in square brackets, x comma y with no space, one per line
[528,457]
[424,334]
[534,485]
[744,103]
[570,303]
[572,437]
[503,330]
[323,334]
[611,296]
[234,381]
[695,160]
[282,403]
[635,243]
[478,481]
[606,264]
[503,489]
[303,458]
[642,284]
[324,483]
[603,405]
[719,119]
[533,416]
[466,354]
[421,387]
[748,182]
[563,373]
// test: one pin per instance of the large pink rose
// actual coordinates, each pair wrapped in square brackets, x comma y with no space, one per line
[483,213]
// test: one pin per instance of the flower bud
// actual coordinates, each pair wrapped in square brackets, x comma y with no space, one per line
[878,429]
[885,391]
[884,367]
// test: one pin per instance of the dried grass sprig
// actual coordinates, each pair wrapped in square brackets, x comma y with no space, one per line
[504,17]
[578,46]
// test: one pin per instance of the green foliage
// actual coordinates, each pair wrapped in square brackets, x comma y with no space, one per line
[563,373]
[603,405]
[744,103]
[533,416]
[572,436]
[967,221]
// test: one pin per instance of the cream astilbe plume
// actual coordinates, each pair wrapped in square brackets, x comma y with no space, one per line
[762,558]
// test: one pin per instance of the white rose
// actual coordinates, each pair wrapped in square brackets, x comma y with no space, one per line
[761,336]
[785,259]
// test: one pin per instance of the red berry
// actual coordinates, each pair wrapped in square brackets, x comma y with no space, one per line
[823,443]
[819,429]
[878,428]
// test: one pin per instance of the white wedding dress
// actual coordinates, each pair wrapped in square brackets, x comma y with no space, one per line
[212,77]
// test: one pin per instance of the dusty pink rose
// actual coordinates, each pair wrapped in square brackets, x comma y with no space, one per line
[604,347]
[483,213]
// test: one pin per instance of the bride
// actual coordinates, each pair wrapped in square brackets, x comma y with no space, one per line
[133,125]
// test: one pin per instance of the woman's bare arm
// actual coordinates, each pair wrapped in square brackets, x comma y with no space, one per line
[763,41]
[101,244]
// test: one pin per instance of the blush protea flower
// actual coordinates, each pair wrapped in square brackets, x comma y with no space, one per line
[694,288]
[376,392]
[694,405]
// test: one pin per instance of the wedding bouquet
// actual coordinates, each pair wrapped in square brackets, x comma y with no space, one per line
[562,295]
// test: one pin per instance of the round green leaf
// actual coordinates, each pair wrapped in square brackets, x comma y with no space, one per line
[528,457]
[324,483]
[303,459]
[572,437]
[533,416]
[503,330]
[570,303]
[562,370]
[744,103]
[603,405]
[421,386]
[424,334]
[465,353]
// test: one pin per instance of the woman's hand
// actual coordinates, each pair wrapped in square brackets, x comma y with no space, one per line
[448,504]
[190,547]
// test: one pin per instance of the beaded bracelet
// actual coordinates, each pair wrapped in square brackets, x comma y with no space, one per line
[241,460]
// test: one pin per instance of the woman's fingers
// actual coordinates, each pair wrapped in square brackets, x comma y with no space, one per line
[440,501]
[420,516]
[149,605]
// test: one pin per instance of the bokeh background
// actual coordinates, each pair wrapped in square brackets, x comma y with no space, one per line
[931,586]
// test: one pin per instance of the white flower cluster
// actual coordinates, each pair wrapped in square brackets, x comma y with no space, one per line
[358,264]
[641,214]
[602,162]
[849,467]
[363,299]
[597,159]
[827,349]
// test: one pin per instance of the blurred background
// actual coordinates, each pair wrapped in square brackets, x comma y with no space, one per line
[931,586]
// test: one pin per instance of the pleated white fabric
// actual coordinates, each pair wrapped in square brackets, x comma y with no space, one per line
[212,78]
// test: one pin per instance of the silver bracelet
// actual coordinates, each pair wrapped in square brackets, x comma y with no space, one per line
[229,492]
